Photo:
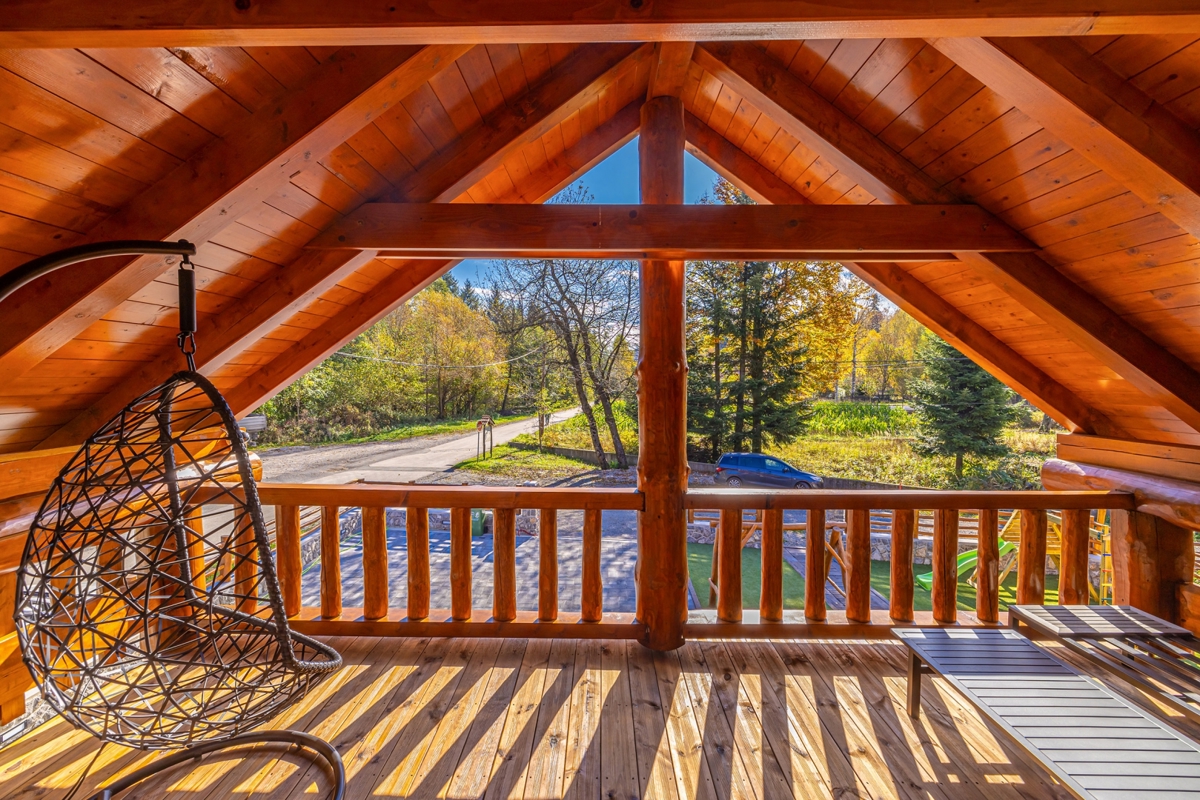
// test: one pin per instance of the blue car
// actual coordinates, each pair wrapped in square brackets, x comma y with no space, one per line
[754,469]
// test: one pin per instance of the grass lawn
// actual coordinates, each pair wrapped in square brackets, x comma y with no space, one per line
[510,462]
[700,566]
[406,431]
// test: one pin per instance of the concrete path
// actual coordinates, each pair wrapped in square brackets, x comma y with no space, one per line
[395,462]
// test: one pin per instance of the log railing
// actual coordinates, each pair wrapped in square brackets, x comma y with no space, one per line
[981,508]
[469,615]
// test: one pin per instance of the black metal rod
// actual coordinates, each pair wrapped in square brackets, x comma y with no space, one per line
[187,301]
[14,279]
[318,746]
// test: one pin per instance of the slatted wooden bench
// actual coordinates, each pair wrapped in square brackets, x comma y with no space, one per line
[1094,742]
[1160,658]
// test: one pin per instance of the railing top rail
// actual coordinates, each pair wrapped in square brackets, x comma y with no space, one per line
[401,495]
[904,499]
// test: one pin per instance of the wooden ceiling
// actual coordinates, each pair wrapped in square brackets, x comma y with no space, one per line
[1087,145]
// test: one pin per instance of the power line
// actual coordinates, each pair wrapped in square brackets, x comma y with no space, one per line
[439,366]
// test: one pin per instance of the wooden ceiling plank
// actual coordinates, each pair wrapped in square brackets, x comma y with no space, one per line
[571,85]
[264,312]
[669,69]
[691,232]
[809,116]
[908,293]
[191,23]
[205,194]
[1125,349]
[1093,109]
[1026,277]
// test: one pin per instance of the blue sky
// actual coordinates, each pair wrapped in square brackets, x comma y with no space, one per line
[615,180]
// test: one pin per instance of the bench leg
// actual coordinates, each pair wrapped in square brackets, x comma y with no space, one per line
[915,668]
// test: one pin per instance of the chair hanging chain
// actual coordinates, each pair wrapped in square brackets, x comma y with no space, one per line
[187,312]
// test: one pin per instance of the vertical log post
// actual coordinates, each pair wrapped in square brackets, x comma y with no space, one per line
[770,605]
[814,565]
[987,571]
[460,564]
[504,565]
[858,562]
[548,565]
[729,566]
[287,556]
[1031,559]
[1152,558]
[945,566]
[1073,565]
[331,563]
[662,396]
[416,536]
[374,563]
[901,602]
[592,605]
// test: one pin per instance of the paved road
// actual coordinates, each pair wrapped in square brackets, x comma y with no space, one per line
[399,462]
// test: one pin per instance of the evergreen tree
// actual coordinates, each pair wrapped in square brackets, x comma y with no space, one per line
[962,409]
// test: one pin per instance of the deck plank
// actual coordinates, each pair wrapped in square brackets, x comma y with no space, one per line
[460,718]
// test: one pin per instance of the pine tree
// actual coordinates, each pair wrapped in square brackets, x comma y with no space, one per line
[962,409]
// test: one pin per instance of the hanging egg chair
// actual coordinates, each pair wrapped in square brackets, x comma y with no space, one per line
[148,608]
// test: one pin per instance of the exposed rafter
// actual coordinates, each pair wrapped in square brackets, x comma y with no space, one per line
[670,68]
[1082,101]
[251,318]
[212,189]
[107,23]
[224,335]
[314,348]
[608,137]
[907,292]
[691,232]
[572,84]
[1120,346]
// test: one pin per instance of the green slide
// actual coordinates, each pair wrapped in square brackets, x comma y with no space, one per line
[966,565]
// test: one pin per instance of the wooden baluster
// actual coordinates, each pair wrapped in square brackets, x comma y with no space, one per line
[592,606]
[331,562]
[460,564]
[858,562]
[729,568]
[814,566]
[195,548]
[548,565]
[1031,560]
[770,605]
[287,556]
[416,526]
[945,566]
[1073,577]
[374,563]
[901,601]
[504,564]
[245,568]
[987,573]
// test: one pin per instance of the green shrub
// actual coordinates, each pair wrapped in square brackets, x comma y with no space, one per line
[860,419]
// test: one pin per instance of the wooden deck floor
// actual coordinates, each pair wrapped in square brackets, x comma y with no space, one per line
[592,719]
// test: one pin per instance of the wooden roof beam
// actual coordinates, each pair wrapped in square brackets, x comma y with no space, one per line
[907,292]
[254,316]
[323,342]
[1084,102]
[1072,310]
[692,232]
[220,23]
[569,87]
[213,188]
[670,69]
